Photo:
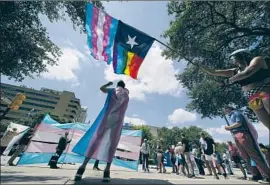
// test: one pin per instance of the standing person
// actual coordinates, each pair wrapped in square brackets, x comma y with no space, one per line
[145,149]
[180,159]
[186,148]
[22,144]
[246,137]
[173,159]
[62,144]
[235,156]
[208,153]
[8,136]
[203,147]
[160,158]
[101,140]
[226,162]
[253,74]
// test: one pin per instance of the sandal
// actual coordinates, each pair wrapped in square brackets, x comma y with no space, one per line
[79,174]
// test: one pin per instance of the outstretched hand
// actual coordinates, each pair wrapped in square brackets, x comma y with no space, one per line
[110,83]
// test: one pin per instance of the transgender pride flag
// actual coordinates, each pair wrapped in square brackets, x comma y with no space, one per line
[101,29]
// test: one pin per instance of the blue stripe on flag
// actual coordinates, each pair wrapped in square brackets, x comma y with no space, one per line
[88,26]
[44,158]
[113,29]
[121,62]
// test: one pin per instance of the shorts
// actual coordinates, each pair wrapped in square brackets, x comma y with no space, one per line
[208,157]
[181,160]
[236,159]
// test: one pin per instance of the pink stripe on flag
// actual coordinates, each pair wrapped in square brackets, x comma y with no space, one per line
[95,35]
[106,30]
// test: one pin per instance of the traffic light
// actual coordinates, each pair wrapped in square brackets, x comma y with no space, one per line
[17,101]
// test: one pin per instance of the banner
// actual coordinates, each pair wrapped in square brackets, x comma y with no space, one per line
[45,140]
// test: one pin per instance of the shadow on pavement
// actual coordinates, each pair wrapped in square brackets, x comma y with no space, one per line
[120,181]
[24,178]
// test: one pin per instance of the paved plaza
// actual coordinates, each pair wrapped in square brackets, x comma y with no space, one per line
[44,175]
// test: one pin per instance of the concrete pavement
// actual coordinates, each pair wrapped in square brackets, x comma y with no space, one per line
[42,174]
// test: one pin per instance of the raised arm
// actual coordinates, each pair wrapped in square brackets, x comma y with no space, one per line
[223,73]
[104,88]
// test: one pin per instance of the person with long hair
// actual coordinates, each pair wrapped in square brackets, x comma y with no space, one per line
[253,75]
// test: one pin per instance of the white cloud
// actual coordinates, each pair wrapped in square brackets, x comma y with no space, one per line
[135,115]
[67,64]
[157,75]
[219,130]
[134,121]
[180,116]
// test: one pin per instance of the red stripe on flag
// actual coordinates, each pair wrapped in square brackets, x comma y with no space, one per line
[135,66]
[95,35]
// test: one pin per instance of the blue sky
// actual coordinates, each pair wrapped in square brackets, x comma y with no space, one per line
[156,98]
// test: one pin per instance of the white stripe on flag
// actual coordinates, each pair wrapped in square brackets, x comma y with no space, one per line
[100,32]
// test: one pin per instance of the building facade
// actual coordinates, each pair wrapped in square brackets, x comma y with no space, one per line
[83,115]
[63,104]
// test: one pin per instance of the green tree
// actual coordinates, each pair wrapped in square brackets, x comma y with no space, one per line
[206,32]
[172,136]
[146,132]
[25,46]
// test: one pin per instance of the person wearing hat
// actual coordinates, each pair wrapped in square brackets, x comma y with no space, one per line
[145,149]
[253,75]
[62,144]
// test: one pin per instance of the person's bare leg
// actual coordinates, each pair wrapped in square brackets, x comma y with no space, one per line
[188,162]
[208,166]
[242,170]
[211,164]
[263,115]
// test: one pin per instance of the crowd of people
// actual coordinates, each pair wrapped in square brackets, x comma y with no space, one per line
[192,160]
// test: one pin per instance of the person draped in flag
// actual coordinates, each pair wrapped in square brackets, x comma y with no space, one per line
[246,138]
[101,140]
[253,75]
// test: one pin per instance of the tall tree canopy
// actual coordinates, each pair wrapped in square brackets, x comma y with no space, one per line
[25,46]
[206,32]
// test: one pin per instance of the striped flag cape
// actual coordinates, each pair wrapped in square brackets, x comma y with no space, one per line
[115,42]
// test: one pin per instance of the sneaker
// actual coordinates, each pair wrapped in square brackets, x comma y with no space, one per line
[54,167]
[216,177]
[79,174]
[255,178]
[11,164]
[264,181]
[106,176]
[242,178]
[96,168]
[191,176]
[148,170]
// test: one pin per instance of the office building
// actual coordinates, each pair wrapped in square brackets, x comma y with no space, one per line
[83,115]
[63,104]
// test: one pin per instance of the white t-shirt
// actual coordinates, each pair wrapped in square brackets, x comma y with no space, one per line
[203,142]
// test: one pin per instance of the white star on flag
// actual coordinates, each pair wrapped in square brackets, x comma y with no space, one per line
[132,41]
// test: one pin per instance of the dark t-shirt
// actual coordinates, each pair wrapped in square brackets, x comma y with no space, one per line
[25,139]
[186,143]
[62,143]
[209,149]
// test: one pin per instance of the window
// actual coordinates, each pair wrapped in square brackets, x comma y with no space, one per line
[73,106]
[11,95]
[38,105]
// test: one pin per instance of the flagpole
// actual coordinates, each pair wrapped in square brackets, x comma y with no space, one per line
[189,61]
